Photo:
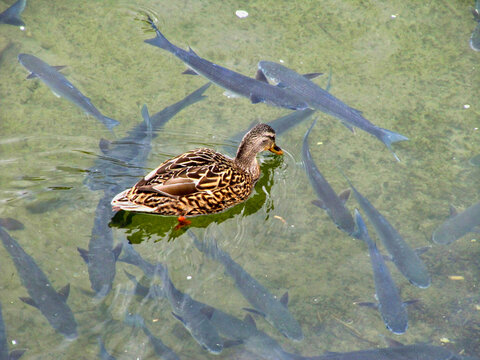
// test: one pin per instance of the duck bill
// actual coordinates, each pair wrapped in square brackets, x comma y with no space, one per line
[276,150]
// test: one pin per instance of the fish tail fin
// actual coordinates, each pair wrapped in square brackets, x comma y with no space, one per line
[109,122]
[159,40]
[12,14]
[389,137]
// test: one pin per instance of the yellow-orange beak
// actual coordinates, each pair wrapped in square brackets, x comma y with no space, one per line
[276,150]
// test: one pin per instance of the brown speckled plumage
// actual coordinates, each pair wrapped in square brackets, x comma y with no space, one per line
[200,181]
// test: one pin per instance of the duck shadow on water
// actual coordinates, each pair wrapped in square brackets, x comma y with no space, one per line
[141,226]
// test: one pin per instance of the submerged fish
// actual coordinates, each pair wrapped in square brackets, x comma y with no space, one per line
[162,350]
[457,225]
[255,90]
[404,352]
[103,353]
[62,87]
[193,316]
[328,200]
[124,160]
[11,16]
[275,311]
[101,256]
[403,256]
[4,353]
[320,99]
[390,305]
[51,303]
[475,38]
[242,332]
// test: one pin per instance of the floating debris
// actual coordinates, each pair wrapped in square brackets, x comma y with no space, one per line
[241,14]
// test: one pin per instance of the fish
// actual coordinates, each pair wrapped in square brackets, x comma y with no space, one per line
[390,305]
[457,225]
[264,303]
[11,16]
[101,256]
[52,304]
[103,353]
[402,255]
[475,38]
[475,161]
[193,316]
[4,353]
[238,331]
[236,83]
[320,99]
[62,87]
[123,161]
[162,350]
[327,199]
[403,352]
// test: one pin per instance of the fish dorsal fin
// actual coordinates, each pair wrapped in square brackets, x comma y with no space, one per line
[311,76]
[260,76]
[250,321]
[58,67]
[344,195]
[117,250]
[453,211]
[104,145]
[253,311]
[15,354]
[284,299]
[319,203]
[255,99]
[145,115]
[189,72]
[83,254]
[32,75]
[64,292]
[178,317]
[207,311]
[190,50]
[29,301]
[367,304]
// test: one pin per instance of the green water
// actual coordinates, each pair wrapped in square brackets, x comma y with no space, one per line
[407,65]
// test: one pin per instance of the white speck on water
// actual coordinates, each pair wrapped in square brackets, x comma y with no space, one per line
[189,277]
[475,128]
[281,61]
[393,16]
[22,28]
[241,14]
[466,106]
[315,300]
[14,342]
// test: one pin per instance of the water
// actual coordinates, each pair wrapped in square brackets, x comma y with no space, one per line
[407,66]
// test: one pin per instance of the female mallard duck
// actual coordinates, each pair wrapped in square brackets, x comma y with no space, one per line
[200,181]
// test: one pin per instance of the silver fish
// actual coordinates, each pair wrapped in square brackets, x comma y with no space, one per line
[62,87]
[51,303]
[390,305]
[457,225]
[320,99]
[403,256]
[255,90]
[328,200]
[264,303]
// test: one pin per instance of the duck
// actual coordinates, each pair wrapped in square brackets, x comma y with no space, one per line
[200,181]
